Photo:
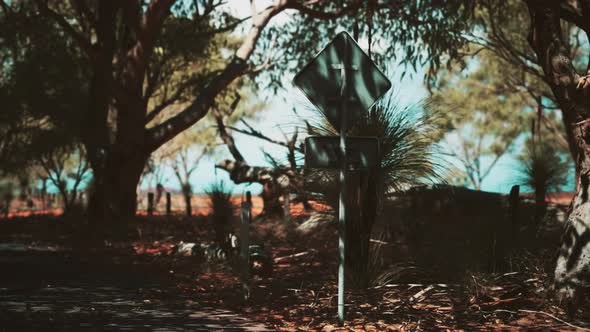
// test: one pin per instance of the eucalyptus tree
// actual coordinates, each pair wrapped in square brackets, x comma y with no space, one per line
[130,48]
[486,109]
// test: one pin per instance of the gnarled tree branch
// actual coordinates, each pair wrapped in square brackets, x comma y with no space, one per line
[160,134]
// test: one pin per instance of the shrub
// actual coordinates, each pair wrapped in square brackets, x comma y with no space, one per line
[543,171]
[221,210]
[407,157]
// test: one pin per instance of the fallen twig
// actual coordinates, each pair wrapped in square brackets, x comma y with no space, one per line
[506,275]
[417,297]
[556,318]
[542,313]
[378,241]
[280,259]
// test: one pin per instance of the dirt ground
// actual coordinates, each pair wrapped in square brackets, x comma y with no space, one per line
[48,284]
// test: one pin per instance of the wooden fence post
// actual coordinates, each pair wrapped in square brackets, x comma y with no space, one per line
[150,207]
[513,202]
[287,208]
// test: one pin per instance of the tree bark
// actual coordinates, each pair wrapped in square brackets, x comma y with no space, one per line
[187,193]
[573,262]
[275,181]
[362,213]
[540,207]
[113,193]
[270,199]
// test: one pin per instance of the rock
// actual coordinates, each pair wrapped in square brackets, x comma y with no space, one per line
[185,249]
[261,262]
[318,230]
[369,327]
[328,328]
[318,222]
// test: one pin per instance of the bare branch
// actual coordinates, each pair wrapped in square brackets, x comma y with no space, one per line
[154,17]
[226,137]
[259,21]
[5,7]
[243,173]
[255,133]
[180,90]
[562,140]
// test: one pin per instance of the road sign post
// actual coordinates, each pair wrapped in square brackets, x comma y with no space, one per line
[359,85]
[343,67]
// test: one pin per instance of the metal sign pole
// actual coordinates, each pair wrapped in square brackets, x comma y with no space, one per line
[343,67]
[342,221]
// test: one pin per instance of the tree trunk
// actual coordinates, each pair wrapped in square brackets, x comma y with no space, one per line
[540,207]
[187,201]
[270,200]
[573,262]
[113,193]
[63,192]
[275,182]
[357,239]
[361,211]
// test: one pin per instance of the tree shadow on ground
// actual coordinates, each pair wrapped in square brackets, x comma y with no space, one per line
[55,292]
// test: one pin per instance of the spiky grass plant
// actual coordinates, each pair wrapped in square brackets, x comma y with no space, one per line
[407,141]
[221,210]
[543,171]
[379,272]
[407,157]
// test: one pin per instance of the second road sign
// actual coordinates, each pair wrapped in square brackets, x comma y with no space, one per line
[324,152]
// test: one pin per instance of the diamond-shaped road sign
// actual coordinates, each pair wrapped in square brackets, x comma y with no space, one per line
[322,79]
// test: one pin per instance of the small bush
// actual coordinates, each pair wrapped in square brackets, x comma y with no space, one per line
[544,171]
[378,272]
[222,210]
